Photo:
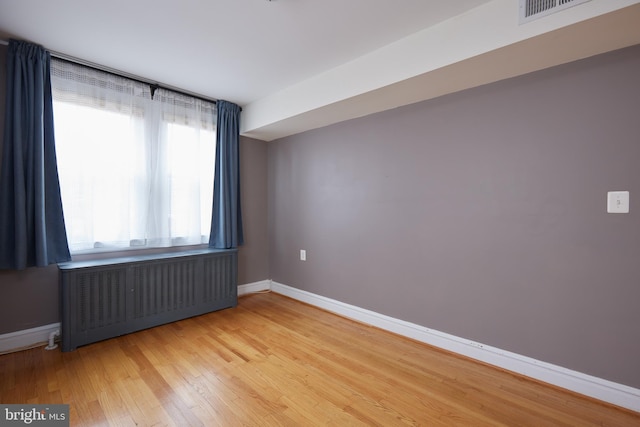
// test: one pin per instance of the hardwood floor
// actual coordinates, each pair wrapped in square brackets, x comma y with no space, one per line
[275,361]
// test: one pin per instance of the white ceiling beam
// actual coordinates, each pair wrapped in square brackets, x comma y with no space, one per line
[483,45]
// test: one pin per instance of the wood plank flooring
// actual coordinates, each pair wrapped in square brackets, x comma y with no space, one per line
[273,361]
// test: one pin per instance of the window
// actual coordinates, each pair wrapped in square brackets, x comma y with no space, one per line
[134,171]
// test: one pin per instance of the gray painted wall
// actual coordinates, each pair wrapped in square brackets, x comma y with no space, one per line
[481,214]
[29,298]
[253,257]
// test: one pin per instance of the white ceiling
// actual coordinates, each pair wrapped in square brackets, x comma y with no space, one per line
[238,50]
[298,64]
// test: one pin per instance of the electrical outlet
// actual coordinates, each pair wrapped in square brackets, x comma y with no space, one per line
[303,255]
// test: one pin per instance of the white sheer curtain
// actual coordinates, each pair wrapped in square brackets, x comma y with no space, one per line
[134,171]
[182,166]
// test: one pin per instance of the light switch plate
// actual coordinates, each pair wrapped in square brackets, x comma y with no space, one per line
[618,202]
[303,255]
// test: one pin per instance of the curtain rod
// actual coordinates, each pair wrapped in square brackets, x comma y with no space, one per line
[151,83]
[154,85]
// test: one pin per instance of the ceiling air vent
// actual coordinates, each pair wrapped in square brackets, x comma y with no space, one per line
[534,9]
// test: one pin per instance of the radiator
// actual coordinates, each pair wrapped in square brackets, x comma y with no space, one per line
[106,298]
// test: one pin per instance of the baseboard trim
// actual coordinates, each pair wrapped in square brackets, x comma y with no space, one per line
[598,388]
[249,288]
[27,338]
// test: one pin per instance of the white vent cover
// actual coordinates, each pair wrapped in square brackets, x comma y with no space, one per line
[534,9]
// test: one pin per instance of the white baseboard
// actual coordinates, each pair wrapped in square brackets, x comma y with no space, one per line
[598,388]
[27,338]
[263,285]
